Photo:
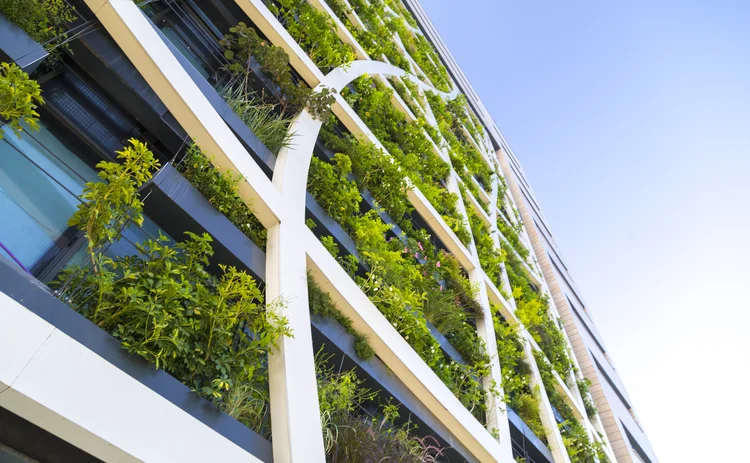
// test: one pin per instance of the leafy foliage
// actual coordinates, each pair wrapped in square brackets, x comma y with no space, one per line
[407,143]
[405,95]
[322,305]
[512,234]
[244,43]
[222,191]
[452,117]
[588,402]
[314,31]
[516,371]
[490,257]
[532,310]
[110,205]
[377,40]
[423,53]
[580,448]
[407,279]
[19,98]
[45,21]
[352,437]
[270,126]
[213,334]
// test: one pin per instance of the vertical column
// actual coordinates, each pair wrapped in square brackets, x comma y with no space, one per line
[497,418]
[295,413]
[558,303]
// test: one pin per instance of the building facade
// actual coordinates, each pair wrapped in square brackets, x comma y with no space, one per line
[247,230]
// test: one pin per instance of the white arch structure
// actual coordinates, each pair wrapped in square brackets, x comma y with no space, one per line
[293,250]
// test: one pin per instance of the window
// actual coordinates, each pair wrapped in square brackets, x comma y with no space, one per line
[40,179]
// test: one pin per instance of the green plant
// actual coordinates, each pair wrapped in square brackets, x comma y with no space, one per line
[322,305]
[580,448]
[314,31]
[110,205]
[512,234]
[452,118]
[222,191]
[407,143]
[244,43]
[19,98]
[405,95]
[407,278]
[516,372]
[45,21]
[532,310]
[423,53]
[588,402]
[490,257]
[269,125]
[377,40]
[351,437]
[164,306]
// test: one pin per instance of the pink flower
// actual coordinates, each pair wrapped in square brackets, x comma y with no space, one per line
[441,287]
[406,250]
[437,264]
[416,254]
[424,273]
[420,245]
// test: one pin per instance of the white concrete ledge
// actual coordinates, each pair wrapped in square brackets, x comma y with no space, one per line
[506,310]
[53,381]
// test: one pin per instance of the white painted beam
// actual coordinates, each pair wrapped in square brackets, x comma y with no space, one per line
[55,382]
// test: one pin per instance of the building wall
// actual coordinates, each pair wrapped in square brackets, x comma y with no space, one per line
[62,374]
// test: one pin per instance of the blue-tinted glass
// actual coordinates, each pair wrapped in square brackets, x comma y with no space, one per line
[40,179]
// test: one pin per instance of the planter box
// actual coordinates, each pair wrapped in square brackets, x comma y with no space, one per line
[37,298]
[177,203]
[17,46]
[525,441]
[376,376]
[262,155]
[178,207]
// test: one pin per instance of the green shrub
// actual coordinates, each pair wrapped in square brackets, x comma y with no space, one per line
[222,191]
[532,310]
[580,448]
[46,21]
[517,375]
[322,305]
[451,116]
[588,402]
[269,125]
[19,98]
[409,146]
[403,277]
[490,257]
[314,31]
[242,43]
[164,306]
[350,436]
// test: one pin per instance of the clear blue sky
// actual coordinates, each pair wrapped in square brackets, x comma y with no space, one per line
[632,122]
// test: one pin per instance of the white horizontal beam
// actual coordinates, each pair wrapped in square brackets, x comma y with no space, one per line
[55,382]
